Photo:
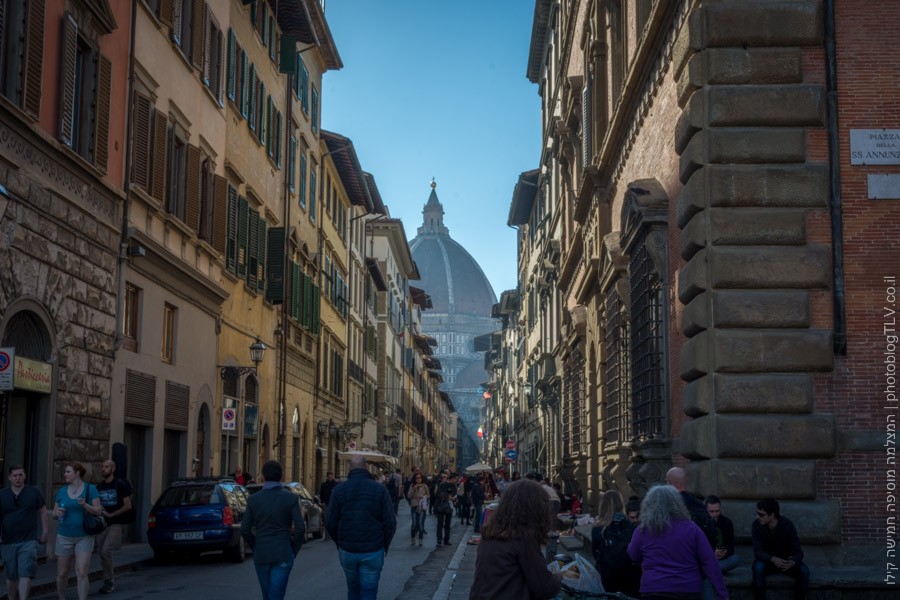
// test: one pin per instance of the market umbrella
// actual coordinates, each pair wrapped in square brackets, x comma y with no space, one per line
[479,468]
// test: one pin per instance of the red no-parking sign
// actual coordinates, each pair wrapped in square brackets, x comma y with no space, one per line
[229,419]
[510,445]
[7,361]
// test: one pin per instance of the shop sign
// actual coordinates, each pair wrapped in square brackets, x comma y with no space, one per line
[34,375]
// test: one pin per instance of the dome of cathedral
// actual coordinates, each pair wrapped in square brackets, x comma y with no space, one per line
[448,273]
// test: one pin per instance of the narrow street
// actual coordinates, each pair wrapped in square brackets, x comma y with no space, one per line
[409,572]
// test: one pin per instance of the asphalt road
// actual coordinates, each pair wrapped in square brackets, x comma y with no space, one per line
[410,572]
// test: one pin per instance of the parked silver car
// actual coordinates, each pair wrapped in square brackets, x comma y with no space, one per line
[310,508]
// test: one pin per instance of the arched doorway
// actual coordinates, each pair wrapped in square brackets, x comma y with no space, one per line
[26,420]
[203,440]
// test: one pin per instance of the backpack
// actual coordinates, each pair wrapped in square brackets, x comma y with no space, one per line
[614,555]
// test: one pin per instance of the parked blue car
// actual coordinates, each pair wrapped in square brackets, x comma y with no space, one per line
[198,515]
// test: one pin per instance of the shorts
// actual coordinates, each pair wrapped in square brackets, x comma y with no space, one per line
[19,560]
[67,546]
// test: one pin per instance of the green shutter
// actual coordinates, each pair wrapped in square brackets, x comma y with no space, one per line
[316,298]
[261,126]
[304,83]
[232,61]
[312,195]
[251,103]
[278,139]
[295,291]
[243,218]
[245,83]
[292,169]
[261,255]
[307,301]
[252,248]
[303,180]
[232,231]
[287,54]
[314,117]
[275,262]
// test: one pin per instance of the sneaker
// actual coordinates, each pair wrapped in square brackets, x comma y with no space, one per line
[420,541]
[108,587]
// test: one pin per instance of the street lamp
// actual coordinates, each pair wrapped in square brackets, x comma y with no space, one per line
[257,349]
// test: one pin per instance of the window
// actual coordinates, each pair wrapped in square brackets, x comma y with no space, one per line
[617,410]
[302,83]
[168,333]
[312,192]
[292,169]
[314,117]
[187,28]
[251,93]
[177,172]
[212,58]
[262,115]
[207,200]
[22,53]
[303,179]
[245,248]
[84,97]
[131,319]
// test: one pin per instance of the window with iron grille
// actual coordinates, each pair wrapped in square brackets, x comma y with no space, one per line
[617,410]
[648,366]
[576,399]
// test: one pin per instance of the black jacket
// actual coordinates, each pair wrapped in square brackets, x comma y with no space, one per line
[782,541]
[360,516]
[325,490]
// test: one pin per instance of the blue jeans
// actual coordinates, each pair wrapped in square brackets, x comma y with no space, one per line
[725,565]
[418,523]
[273,578]
[476,527]
[800,573]
[363,570]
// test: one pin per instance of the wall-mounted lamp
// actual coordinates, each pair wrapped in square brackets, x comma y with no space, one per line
[322,427]
[257,349]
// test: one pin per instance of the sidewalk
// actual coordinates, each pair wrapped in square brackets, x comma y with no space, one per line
[126,559]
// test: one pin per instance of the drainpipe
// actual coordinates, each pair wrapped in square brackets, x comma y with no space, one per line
[124,236]
[835,205]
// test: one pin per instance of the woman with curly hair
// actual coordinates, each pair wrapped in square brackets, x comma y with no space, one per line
[509,563]
[673,552]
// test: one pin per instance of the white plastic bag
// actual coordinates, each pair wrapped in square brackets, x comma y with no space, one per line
[579,575]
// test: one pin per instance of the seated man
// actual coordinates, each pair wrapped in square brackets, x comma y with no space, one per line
[776,549]
[728,561]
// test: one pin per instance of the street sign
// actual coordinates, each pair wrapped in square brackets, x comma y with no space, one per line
[510,445]
[511,455]
[7,361]
[229,419]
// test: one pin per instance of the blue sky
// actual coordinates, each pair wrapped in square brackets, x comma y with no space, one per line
[437,88]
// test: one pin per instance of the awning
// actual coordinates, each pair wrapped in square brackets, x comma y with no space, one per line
[371,456]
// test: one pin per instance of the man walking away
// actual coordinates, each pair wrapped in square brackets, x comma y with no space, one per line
[393,485]
[20,507]
[325,491]
[362,522]
[116,499]
[274,528]
[776,549]
[444,499]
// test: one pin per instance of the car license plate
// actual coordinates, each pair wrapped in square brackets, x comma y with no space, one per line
[188,535]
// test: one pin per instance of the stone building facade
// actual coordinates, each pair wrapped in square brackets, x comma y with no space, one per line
[724,261]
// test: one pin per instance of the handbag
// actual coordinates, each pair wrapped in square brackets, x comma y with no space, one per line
[92,524]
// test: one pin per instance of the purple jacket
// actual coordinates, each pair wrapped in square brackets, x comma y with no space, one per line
[676,561]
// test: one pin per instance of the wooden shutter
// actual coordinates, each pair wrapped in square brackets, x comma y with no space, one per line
[231,231]
[140,141]
[101,119]
[140,397]
[261,254]
[178,399]
[192,193]
[200,37]
[316,300]
[231,70]
[160,148]
[252,247]
[270,126]
[34,58]
[278,139]
[67,91]
[292,169]
[275,261]
[220,213]
[167,11]
[251,95]
[243,217]
[307,301]
[261,105]
[303,179]
[296,290]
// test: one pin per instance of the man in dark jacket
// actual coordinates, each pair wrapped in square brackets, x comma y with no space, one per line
[444,499]
[776,549]
[361,521]
[477,495]
[274,528]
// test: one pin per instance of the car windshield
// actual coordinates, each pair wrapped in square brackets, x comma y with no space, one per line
[189,496]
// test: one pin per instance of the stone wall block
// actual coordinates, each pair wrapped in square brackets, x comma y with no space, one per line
[692,120]
[743,145]
[799,436]
[695,315]
[807,267]
[690,40]
[771,350]
[780,23]
[695,398]
[743,227]
[738,479]
[733,66]
[695,356]
[766,105]
[764,393]
[818,522]
[696,441]
[693,279]
[760,308]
